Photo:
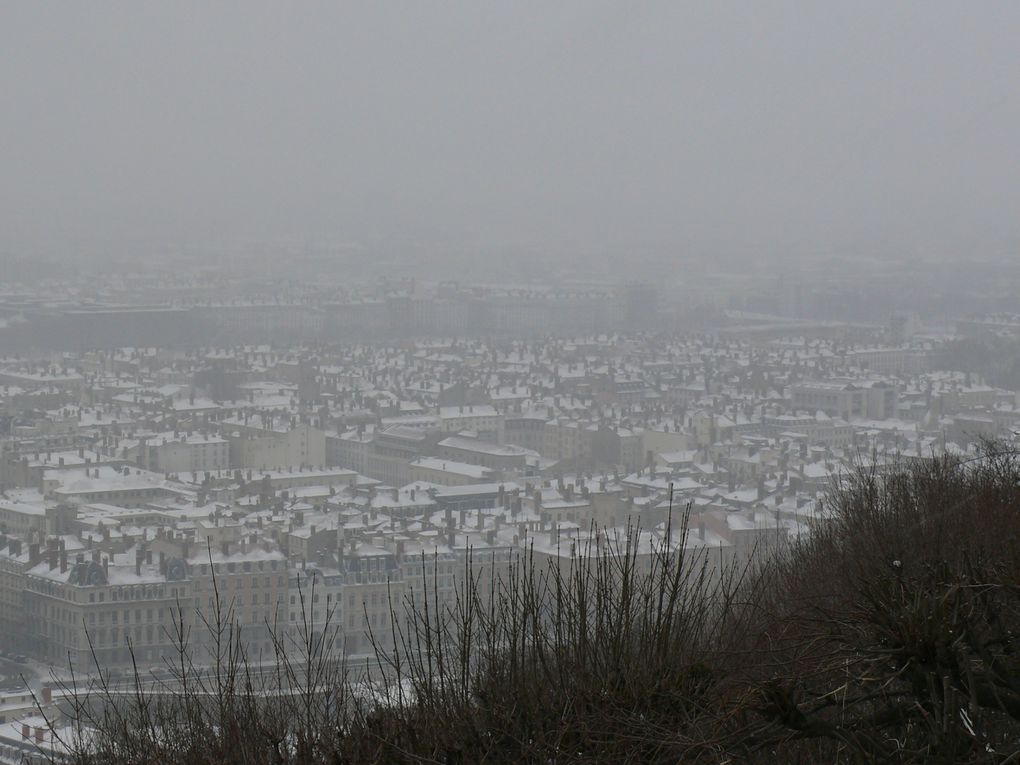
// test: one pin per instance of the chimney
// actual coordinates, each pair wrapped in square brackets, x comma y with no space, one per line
[139,557]
[63,562]
[225,548]
[148,557]
[106,568]
[51,558]
[39,735]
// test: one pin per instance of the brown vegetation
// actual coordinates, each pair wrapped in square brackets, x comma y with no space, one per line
[889,636]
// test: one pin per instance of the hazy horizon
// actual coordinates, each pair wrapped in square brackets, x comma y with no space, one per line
[568,128]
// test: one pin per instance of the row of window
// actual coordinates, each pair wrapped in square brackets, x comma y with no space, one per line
[246,566]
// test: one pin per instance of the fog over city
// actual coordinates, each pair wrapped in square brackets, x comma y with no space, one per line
[568,128]
[509,382]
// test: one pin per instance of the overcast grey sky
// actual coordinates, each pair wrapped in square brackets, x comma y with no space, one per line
[766,126]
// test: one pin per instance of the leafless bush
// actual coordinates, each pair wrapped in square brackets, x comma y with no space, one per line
[888,636]
[892,634]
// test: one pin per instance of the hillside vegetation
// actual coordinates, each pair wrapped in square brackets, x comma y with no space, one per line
[891,635]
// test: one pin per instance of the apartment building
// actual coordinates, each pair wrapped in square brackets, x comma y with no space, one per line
[125,486]
[482,419]
[526,430]
[860,399]
[184,453]
[441,472]
[262,443]
[504,459]
[115,607]
[14,560]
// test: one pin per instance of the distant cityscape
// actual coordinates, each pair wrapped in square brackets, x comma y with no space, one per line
[310,462]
